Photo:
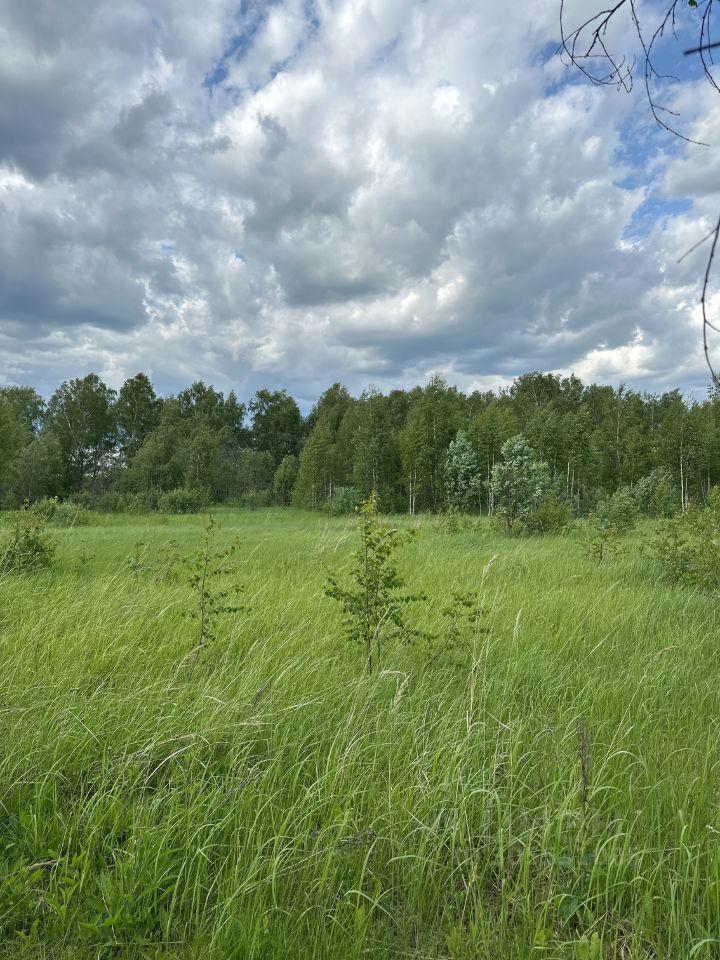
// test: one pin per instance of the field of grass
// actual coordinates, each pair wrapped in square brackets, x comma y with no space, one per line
[549,789]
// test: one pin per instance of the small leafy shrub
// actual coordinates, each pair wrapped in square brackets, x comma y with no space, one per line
[144,501]
[114,501]
[601,542]
[449,521]
[373,603]
[183,500]
[136,561]
[612,519]
[69,514]
[619,512]
[84,560]
[256,500]
[44,509]
[344,500]
[27,546]
[211,601]
[655,494]
[63,513]
[104,503]
[553,515]
[463,614]
[688,545]
[285,479]
[124,501]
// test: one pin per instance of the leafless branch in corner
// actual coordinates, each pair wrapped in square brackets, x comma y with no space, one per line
[707,325]
[588,49]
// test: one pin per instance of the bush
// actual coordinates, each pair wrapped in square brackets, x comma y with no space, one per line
[655,494]
[373,602]
[85,498]
[612,518]
[120,501]
[345,500]
[619,512]
[519,484]
[256,500]
[112,502]
[463,482]
[553,515]
[688,545]
[27,547]
[44,509]
[116,501]
[449,521]
[69,514]
[285,479]
[9,501]
[64,513]
[144,501]
[183,500]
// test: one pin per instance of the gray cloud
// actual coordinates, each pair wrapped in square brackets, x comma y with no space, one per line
[292,193]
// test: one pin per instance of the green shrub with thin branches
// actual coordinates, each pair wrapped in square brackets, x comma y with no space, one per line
[27,547]
[214,598]
[374,602]
[688,545]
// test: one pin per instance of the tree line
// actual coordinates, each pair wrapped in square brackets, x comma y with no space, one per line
[428,448]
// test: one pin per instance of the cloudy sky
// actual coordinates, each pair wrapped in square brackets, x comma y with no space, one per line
[290,193]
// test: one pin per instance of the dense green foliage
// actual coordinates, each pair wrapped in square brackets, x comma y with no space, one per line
[26,547]
[430,448]
[688,546]
[373,602]
[519,483]
[546,788]
[463,484]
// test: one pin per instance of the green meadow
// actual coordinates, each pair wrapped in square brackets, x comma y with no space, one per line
[547,787]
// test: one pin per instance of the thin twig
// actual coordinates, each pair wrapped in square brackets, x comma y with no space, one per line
[703,302]
[706,46]
[696,245]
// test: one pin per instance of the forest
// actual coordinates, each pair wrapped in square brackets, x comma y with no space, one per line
[429,448]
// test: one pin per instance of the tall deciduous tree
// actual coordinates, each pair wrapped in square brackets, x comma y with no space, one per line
[463,480]
[277,425]
[314,479]
[201,402]
[137,413]
[519,482]
[488,431]
[40,469]
[285,479]
[375,453]
[12,432]
[326,460]
[431,424]
[27,404]
[80,415]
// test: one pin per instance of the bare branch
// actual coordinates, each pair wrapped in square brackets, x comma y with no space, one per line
[694,247]
[707,46]
[586,47]
[707,325]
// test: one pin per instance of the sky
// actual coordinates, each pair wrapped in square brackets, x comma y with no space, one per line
[288,194]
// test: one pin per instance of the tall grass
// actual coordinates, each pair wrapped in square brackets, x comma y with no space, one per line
[557,779]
